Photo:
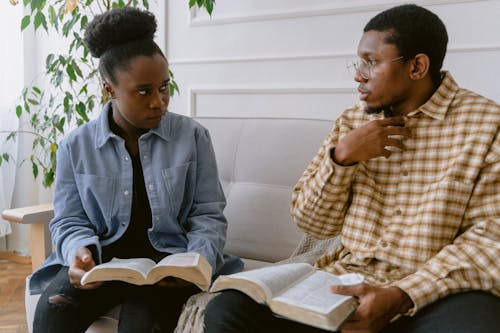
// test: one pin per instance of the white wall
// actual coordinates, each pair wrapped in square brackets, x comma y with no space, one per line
[282,58]
[11,82]
[286,58]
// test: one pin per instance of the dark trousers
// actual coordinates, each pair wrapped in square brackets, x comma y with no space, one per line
[477,312]
[63,308]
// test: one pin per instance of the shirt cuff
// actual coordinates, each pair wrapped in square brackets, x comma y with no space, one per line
[334,174]
[420,289]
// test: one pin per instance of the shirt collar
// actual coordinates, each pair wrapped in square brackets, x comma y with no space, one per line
[439,103]
[104,133]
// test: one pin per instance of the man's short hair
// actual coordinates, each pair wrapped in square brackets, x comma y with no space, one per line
[414,30]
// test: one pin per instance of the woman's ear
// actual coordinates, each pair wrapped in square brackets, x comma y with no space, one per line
[419,66]
[108,90]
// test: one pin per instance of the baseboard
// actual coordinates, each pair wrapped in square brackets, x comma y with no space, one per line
[15,257]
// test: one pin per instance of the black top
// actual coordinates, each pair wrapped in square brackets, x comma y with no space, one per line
[134,243]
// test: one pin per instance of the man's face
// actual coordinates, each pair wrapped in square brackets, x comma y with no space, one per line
[141,94]
[388,84]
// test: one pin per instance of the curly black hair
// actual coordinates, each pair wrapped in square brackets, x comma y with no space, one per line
[118,36]
[414,30]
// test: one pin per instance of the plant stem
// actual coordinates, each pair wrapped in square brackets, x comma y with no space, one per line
[29,132]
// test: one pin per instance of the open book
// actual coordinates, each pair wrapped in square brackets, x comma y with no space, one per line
[189,266]
[297,292]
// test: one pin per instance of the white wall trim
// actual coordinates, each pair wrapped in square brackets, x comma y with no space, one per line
[318,56]
[337,9]
[193,92]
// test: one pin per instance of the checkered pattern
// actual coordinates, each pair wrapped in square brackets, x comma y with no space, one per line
[426,219]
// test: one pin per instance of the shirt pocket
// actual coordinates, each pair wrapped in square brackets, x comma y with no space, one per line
[179,181]
[97,194]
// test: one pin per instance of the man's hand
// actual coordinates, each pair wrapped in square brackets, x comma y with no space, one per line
[370,141]
[82,263]
[377,306]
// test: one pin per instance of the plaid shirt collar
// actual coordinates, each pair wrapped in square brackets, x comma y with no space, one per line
[439,103]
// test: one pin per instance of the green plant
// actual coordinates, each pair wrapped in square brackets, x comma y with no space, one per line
[71,82]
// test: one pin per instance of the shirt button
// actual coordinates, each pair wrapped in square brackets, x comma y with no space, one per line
[398,212]
[145,157]
[405,173]
[126,192]
[157,218]
[123,224]
[151,187]
[126,158]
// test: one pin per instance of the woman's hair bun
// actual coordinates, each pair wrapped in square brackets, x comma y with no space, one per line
[118,26]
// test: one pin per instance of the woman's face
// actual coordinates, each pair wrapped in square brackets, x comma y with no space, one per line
[140,95]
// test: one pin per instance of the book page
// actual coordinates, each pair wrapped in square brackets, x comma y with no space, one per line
[180,259]
[119,269]
[314,293]
[273,279]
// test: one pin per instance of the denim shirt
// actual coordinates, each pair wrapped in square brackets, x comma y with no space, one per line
[93,193]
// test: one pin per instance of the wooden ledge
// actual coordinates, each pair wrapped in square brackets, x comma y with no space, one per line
[38,218]
[30,214]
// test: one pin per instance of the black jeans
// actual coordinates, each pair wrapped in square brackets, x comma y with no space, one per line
[63,308]
[470,312]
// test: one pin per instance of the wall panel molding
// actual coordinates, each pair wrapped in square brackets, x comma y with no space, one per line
[195,92]
[195,20]
[331,55]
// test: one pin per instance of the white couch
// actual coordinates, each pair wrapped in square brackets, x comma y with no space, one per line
[259,161]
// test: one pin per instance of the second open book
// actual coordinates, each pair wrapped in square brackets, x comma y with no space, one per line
[188,266]
[296,291]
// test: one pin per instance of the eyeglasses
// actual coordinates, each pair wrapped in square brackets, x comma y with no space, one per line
[364,67]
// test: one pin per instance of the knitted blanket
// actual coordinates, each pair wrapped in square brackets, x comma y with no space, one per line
[309,249]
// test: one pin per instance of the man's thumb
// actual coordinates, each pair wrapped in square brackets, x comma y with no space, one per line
[350,290]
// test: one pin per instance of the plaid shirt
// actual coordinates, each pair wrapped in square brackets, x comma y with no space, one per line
[427,219]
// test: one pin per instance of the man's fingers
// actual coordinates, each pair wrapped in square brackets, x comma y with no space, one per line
[393,121]
[402,131]
[395,143]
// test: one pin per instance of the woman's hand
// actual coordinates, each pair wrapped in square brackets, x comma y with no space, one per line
[82,263]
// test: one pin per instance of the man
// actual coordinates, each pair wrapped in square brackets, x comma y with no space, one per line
[410,180]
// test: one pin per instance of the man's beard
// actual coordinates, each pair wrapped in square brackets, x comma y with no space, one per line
[387,110]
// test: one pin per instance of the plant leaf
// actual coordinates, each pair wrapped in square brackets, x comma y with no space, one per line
[25,22]
[40,20]
[34,168]
[80,109]
[19,111]
[48,178]
[209,5]
[11,136]
[77,69]
[71,72]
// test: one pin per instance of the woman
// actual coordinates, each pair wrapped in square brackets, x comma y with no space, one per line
[136,182]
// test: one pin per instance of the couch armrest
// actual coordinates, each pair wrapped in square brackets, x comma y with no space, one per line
[38,217]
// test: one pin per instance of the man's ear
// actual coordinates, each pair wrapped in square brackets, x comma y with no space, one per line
[108,90]
[419,66]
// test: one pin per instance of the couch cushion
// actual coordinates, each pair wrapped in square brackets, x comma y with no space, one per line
[259,161]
